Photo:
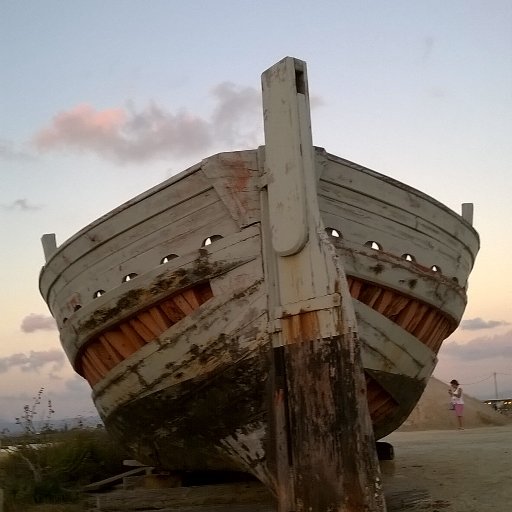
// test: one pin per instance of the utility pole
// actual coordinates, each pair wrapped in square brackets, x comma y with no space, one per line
[495,386]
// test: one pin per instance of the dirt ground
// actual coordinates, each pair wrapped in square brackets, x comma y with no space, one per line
[432,413]
[440,468]
[450,470]
[437,468]
[433,471]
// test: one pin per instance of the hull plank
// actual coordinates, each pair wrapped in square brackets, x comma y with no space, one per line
[121,343]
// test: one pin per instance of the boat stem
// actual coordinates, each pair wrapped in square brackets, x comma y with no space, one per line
[321,444]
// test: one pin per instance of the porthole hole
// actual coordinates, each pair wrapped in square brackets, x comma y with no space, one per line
[211,239]
[435,268]
[408,257]
[76,307]
[129,277]
[98,293]
[168,258]
[333,232]
[373,245]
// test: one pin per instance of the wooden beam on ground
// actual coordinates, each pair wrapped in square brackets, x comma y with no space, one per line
[113,480]
[206,498]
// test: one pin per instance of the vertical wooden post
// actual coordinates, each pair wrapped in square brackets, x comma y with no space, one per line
[323,449]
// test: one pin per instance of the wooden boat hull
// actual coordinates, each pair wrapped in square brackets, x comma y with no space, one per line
[162,305]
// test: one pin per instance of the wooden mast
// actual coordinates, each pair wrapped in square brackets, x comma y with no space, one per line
[321,444]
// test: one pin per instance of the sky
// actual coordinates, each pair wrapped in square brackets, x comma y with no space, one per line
[101,100]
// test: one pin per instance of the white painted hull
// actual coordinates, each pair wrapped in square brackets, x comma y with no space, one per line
[178,355]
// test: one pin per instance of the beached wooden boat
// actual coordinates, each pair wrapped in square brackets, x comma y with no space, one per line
[163,304]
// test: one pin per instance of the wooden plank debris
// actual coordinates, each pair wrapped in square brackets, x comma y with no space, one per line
[206,497]
[116,479]
[238,497]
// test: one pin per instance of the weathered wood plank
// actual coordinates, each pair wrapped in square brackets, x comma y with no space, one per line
[93,271]
[121,343]
[355,222]
[131,335]
[109,482]
[402,353]
[172,311]
[135,248]
[115,356]
[159,318]
[230,499]
[378,269]
[183,304]
[223,315]
[236,179]
[91,321]
[318,409]
[178,497]
[141,329]
[388,197]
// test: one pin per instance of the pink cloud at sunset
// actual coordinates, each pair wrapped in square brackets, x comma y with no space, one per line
[81,123]
[127,135]
[123,135]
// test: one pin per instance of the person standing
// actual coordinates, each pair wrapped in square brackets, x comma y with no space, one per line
[458,401]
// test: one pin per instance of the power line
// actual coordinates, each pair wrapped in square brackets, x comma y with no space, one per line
[477,382]
[486,378]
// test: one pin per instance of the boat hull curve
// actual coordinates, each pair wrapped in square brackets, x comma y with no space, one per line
[162,305]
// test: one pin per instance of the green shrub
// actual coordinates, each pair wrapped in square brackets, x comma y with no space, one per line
[54,469]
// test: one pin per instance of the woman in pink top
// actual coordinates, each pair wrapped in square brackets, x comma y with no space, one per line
[458,401]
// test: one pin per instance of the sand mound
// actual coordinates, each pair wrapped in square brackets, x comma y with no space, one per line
[432,413]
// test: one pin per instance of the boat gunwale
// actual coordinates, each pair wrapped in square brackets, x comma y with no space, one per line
[472,251]
[404,187]
[106,240]
[198,166]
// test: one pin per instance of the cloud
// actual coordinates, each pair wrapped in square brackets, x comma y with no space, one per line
[437,92]
[35,322]
[9,152]
[475,324]
[125,135]
[479,349]
[235,113]
[77,384]
[428,46]
[21,205]
[316,101]
[70,398]
[33,361]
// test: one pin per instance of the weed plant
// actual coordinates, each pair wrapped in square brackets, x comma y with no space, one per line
[52,467]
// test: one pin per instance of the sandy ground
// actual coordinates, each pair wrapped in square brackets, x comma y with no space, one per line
[433,471]
[432,413]
[436,468]
[451,470]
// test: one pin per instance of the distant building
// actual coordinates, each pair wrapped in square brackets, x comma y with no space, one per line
[503,405]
